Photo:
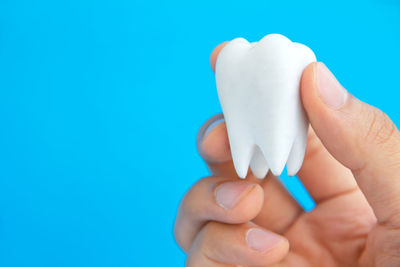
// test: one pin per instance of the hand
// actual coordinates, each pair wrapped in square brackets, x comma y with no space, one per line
[351,169]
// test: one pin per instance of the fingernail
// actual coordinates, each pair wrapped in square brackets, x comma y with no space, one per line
[213,148]
[331,91]
[212,125]
[229,194]
[262,241]
[208,126]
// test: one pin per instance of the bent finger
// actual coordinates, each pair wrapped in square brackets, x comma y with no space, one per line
[279,208]
[216,199]
[245,245]
[214,54]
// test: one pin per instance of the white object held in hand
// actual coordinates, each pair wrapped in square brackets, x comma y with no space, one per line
[258,87]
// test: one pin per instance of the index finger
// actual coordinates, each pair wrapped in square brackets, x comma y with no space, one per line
[215,53]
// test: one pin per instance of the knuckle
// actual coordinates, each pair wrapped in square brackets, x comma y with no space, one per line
[209,229]
[208,245]
[377,140]
[191,204]
[193,261]
[190,261]
[180,240]
[199,259]
[208,237]
[191,208]
[381,129]
[387,247]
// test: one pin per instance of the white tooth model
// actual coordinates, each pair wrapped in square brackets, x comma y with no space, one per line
[258,87]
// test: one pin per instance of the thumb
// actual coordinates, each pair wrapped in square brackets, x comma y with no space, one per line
[359,136]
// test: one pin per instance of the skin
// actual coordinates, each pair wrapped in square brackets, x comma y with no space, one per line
[351,169]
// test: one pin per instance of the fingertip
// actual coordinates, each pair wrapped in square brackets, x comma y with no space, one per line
[215,145]
[240,200]
[239,245]
[215,53]
[308,81]
[261,240]
[252,204]
[212,142]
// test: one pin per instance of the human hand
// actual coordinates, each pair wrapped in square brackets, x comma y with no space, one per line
[351,169]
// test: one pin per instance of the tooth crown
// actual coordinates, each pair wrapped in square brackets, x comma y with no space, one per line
[258,87]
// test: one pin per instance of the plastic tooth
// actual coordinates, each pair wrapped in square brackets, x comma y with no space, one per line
[241,156]
[266,123]
[258,164]
[296,155]
[276,152]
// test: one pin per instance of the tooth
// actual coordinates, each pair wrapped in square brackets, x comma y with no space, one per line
[258,87]
[242,151]
[298,150]
[258,164]
[296,155]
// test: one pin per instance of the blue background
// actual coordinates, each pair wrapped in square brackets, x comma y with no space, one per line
[100,103]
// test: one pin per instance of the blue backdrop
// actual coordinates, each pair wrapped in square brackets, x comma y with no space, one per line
[100,103]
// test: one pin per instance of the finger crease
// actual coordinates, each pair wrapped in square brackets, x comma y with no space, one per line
[339,194]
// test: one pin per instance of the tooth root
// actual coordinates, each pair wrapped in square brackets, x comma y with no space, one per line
[278,164]
[241,156]
[297,153]
[276,151]
[258,164]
